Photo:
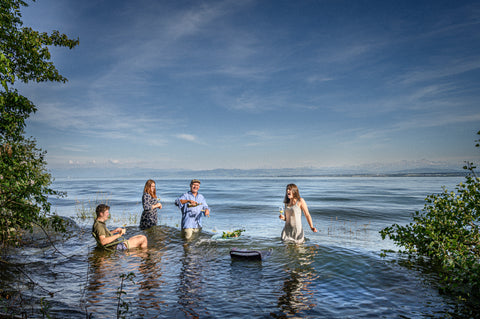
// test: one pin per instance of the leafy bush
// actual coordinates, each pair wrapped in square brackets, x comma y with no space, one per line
[24,180]
[447,232]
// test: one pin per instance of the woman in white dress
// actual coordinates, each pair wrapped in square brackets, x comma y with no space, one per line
[294,205]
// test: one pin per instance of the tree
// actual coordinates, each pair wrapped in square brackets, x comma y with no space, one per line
[447,233]
[24,179]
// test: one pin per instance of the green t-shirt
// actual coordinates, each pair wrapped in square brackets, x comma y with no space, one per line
[100,229]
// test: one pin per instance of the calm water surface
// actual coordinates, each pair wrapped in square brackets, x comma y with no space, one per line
[337,273]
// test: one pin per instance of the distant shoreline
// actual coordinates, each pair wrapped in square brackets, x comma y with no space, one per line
[234,173]
[383,175]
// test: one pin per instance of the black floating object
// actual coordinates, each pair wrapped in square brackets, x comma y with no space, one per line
[244,254]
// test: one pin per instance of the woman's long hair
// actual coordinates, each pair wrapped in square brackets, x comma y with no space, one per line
[295,193]
[148,188]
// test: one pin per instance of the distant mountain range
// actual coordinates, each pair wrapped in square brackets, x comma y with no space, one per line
[372,170]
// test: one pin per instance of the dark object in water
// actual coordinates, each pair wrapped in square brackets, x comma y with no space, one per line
[245,254]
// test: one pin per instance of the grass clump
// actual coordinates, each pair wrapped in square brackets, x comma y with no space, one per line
[86,210]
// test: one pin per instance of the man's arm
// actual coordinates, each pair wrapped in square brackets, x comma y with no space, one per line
[107,240]
[180,201]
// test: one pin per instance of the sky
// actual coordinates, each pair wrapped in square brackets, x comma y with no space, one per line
[250,84]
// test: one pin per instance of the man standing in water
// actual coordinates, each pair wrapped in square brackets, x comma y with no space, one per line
[193,206]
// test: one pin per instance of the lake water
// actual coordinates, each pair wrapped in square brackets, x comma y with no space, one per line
[337,273]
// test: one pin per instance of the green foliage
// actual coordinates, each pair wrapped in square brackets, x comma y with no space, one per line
[24,52]
[447,232]
[45,308]
[24,180]
[122,305]
[232,234]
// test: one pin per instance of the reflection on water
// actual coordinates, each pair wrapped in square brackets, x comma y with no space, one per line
[298,295]
[151,280]
[190,286]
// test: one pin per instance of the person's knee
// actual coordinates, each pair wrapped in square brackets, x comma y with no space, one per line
[141,239]
[187,233]
[138,241]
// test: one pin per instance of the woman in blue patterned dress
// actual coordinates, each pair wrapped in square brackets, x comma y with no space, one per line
[150,204]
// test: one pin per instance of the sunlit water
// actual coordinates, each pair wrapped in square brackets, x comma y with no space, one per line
[337,273]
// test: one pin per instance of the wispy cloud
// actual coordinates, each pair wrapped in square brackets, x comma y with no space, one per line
[443,69]
[315,78]
[436,120]
[75,148]
[102,122]
[190,138]
[257,137]
[114,161]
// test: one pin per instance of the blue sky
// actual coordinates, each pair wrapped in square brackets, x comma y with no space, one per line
[259,84]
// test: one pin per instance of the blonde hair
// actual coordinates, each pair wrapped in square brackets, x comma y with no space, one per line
[148,188]
[295,193]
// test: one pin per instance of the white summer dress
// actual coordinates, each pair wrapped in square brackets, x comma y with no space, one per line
[293,230]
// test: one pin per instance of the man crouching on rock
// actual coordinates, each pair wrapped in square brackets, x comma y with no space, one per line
[112,240]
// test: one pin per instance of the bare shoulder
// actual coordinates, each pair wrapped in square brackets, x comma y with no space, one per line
[302,202]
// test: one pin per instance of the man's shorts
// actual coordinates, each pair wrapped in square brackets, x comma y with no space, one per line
[122,246]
